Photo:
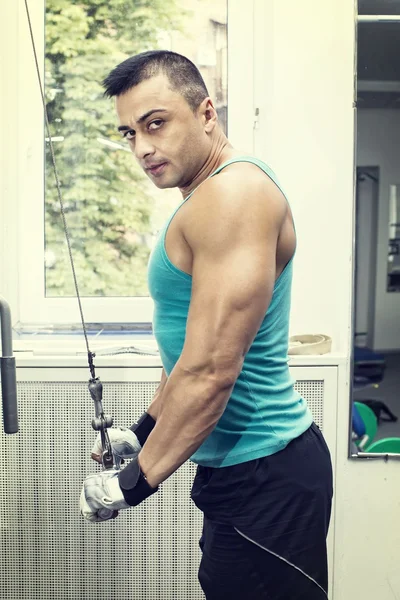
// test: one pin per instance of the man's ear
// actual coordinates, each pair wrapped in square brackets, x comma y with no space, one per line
[208,114]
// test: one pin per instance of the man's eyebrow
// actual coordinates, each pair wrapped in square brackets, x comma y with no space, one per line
[143,118]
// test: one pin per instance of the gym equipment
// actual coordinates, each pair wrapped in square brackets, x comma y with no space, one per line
[101,422]
[389,445]
[371,425]
[8,372]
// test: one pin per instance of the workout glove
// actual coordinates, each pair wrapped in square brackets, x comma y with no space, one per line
[104,494]
[101,496]
[124,442]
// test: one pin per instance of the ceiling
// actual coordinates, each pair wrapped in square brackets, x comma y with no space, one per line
[378,7]
[378,54]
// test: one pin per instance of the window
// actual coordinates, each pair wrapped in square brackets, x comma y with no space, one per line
[113,211]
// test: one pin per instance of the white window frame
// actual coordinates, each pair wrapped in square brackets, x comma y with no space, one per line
[27,190]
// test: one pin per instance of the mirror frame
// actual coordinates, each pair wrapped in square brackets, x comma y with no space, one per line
[360,455]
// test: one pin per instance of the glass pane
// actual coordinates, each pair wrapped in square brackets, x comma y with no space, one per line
[113,211]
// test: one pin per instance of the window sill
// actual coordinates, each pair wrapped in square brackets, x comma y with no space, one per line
[130,342]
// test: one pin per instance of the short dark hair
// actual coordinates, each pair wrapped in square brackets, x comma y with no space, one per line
[183,75]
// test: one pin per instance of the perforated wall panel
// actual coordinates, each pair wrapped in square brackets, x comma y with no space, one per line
[48,552]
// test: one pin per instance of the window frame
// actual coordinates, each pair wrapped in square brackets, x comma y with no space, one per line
[28,149]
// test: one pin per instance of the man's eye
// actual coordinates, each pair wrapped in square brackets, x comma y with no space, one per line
[130,135]
[156,124]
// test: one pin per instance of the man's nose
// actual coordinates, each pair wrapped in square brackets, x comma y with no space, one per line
[143,147]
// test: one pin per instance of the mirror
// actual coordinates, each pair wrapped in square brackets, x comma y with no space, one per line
[375,398]
[393,283]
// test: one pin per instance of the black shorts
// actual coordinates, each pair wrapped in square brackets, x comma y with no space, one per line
[265,524]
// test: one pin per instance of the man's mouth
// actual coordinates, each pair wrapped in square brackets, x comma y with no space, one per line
[156,169]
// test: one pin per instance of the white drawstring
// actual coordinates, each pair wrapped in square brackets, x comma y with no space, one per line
[281,558]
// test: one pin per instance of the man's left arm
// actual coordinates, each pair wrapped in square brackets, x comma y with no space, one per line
[233,243]
[233,239]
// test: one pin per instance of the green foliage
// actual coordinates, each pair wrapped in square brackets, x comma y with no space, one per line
[107,205]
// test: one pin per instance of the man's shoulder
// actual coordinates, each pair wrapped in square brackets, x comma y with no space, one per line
[241,175]
[239,188]
[240,203]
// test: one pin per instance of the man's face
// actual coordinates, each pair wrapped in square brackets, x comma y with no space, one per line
[166,137]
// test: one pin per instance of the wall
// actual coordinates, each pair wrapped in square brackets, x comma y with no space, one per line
[367,520]
[306,126]
[8,158]
[378,144]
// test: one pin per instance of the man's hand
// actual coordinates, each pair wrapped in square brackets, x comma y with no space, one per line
[104,494]
[124,442]
[101,497]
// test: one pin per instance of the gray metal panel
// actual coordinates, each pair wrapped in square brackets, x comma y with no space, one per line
[48,551]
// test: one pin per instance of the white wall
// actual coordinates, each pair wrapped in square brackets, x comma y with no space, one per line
[367,521]
[306,134]
[8,158]
[378,144]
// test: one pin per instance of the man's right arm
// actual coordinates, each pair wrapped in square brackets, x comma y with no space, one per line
[147,421]
[126,445]
[154,408]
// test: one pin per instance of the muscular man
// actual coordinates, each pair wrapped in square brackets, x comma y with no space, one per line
[220,276]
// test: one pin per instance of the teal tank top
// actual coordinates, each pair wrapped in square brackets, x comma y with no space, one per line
[264,412]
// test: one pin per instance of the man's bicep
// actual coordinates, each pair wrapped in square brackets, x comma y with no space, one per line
[234,266]
[229,301]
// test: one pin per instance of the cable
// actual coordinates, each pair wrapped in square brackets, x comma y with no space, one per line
[101,421]
[90,354]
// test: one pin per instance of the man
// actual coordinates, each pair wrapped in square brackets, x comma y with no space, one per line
[220,277]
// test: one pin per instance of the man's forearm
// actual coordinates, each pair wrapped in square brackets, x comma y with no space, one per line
[190,406]
[155,405]
[145,425]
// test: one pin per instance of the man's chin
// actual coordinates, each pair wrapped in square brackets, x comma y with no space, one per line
[163,185]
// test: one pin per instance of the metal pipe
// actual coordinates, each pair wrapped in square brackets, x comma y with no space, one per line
[6,329]
[8,371]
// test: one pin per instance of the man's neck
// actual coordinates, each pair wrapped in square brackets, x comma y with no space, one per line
[215,159]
